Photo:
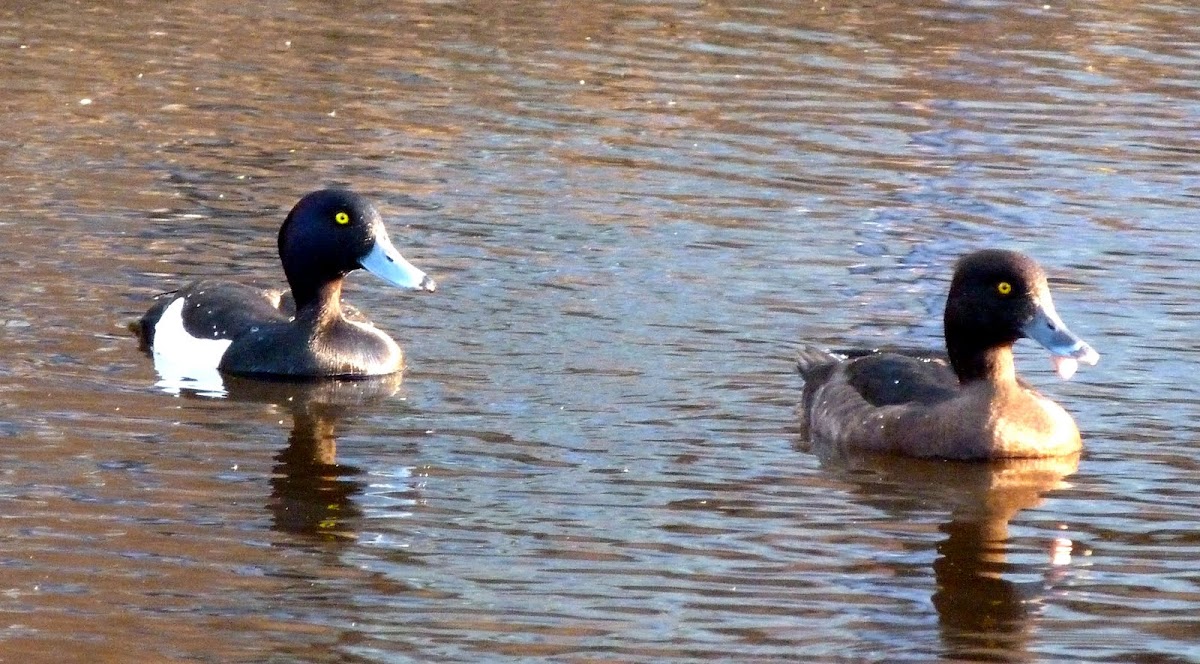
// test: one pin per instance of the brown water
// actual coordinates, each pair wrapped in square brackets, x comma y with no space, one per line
[634,211]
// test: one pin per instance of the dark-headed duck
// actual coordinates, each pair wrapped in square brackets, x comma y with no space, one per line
[971,407]
[244,330]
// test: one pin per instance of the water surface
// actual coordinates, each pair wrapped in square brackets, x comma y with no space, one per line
[634,212]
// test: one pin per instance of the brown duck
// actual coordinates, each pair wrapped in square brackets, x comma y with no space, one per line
[968,404]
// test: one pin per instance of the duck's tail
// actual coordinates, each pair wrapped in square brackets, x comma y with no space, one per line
[814,363]
[143,327]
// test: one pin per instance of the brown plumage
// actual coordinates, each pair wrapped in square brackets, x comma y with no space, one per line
[967,404]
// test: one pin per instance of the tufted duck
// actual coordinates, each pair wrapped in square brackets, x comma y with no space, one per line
[968,404]
[244,330]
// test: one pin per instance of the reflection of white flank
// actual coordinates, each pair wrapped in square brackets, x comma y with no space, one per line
[184,361]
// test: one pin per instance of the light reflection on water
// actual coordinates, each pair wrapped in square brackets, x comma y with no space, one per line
[633,212]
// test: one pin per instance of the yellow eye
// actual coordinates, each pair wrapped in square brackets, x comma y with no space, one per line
[1004,288]
[342,218]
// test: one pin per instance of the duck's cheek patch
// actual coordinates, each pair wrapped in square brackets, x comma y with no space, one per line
[179,354]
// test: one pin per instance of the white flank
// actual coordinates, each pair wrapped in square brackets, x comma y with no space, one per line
[183,361]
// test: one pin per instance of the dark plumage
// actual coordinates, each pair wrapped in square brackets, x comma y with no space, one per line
[305,332]
[967,404]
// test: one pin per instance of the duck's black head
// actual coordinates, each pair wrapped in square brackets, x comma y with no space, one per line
[997,297]
[332,232]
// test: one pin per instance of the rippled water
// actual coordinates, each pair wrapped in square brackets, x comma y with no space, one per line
[634,211]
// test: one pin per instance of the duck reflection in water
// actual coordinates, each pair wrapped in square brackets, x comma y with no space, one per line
[312,494]
[984,611]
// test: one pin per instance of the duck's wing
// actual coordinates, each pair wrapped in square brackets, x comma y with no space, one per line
[889,379]
[882,376]
[213,310]
[851,395]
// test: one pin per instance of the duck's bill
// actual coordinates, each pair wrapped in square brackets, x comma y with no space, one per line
[386,263]
[1066,349]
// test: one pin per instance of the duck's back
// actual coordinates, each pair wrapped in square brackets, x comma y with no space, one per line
[889,379]
[212,310]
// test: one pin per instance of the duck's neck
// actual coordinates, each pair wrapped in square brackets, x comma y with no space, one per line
[993,364]
[318,301]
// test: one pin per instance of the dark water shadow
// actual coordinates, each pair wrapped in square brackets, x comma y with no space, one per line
[985,600]
[312,494]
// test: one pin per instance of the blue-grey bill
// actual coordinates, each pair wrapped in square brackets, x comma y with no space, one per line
[387,264]
[1066,349]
